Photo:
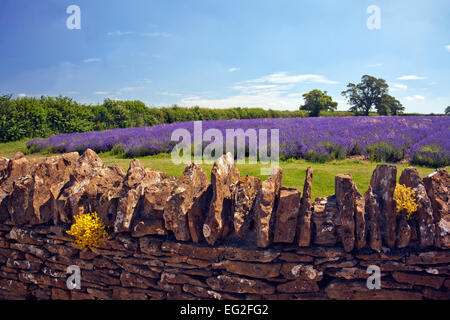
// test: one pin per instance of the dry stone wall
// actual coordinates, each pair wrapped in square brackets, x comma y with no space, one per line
[234,237]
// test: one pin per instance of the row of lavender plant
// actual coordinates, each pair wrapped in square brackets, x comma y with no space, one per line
[424,140]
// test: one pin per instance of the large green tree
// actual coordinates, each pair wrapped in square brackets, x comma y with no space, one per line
[316,101]
[388,105]
[447,110]
[366,94]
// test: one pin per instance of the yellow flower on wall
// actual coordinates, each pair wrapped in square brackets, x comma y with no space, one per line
[88,230]
[405,199]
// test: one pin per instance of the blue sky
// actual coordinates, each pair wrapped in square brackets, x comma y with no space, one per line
[225,53]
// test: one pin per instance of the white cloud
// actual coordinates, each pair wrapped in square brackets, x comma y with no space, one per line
[156,34]
[414,97]
[72,92]
[172,94]
[283,77]
[102,92]
[22,95]
[375,65]
[447,47]
[120,33]
[271,91]
[143,34]
[89,60]
[411,77]
[233,69]
[398,86]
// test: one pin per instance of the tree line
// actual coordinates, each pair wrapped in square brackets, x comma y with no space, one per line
[30,117]
[371,93]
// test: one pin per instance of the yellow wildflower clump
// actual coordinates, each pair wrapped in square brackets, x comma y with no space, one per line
[405,199]
[88,230]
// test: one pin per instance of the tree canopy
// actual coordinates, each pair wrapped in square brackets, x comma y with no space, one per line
[316,101]
[366,94]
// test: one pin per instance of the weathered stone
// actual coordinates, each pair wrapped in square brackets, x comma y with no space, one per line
[20,202]
[140,270]
[247,189]
[25,235]
[196,216]
[149,227]
[208,293]
[383,184]
[426,221]
[419,279]
[3,167]
[61,250]
[191,185]
[239,285]
[349,273]
[293,257]
[13,286]
[67,204]
[437,187]
[430,257]
[389,266]
[224,177]
[134,185]
[373,214]
[122,242]
[193,251]
[100,294]
[266,203]
[155,198]
[233,253]
[323,252]
[49,179]
[403,231]
[42,280]
[286,215]
[32,249]
[102,194]
[150,245]
[324,218]
[360,220]
[254,270]
[23,264]
[298,286]
[305,211]
[179,278]
[346,192]
[357,290]
[17,173]
[301,271]
[338,264]
[435,294]
[58,294]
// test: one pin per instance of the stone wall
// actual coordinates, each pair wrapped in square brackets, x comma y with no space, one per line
[234,237]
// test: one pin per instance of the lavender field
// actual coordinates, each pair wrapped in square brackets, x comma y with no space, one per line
[423,140]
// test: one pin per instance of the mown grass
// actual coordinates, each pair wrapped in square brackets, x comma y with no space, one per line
[293,170]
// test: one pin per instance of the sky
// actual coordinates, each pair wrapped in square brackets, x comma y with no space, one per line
[225,53]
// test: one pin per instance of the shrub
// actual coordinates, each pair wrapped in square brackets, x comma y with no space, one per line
[88,230]
[431,155]
[405,198]
[384,152]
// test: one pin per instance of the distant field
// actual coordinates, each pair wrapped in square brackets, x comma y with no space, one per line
[425,140]
[293,170]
